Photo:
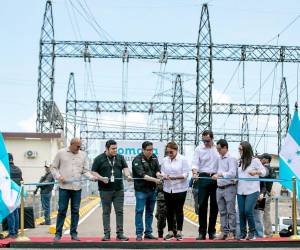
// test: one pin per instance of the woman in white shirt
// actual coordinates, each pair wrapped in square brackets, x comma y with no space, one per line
[174,170]
[248,191]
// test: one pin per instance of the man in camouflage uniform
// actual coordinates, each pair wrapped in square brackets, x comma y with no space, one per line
[161,212]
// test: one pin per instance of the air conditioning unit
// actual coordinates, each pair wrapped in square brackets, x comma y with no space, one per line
[30,154]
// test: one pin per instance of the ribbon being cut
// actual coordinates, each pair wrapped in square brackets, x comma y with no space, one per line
[10,192]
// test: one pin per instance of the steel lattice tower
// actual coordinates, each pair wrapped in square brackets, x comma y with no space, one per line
[177,114]
[204,76]
[49,118]
[71,111]
[245,129]
[203,52]
[283,112]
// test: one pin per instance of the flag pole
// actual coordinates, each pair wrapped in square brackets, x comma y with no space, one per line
[295,235]
[22,236]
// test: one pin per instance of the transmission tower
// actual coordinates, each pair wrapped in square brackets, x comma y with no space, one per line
[49,119]
[177,114]
[71,111]
[203,52]
[204,76]
[283,112]
[245,129]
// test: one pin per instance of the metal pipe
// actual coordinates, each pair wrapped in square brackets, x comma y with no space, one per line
[276,215]
[295,235]
[22,236]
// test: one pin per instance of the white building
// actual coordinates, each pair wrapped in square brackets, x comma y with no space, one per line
[32,150]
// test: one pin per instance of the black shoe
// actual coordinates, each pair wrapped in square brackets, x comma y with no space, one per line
[243,237]
[57,237]
[201,237]
[13,236]
[251,237]
[149,237]
[122,237]
[160,234]
[178,237]
[212,236]
[139,238]
[169,236]
[106,237]
[75,237]
[45,223]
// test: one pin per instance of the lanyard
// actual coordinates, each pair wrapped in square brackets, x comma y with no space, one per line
[111,164]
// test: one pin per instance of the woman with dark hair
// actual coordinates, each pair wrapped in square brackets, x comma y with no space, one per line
[248,191]
[174,170]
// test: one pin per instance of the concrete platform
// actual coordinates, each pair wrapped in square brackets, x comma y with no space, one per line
[91,242]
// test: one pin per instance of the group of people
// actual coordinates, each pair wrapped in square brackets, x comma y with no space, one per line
[213,169]
[13,219]
[222,179]
[212,166]
[109,169]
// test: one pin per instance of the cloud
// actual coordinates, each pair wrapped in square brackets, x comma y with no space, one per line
[219,97]
[28,124]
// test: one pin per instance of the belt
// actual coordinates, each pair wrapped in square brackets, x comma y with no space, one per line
[206,174]
[223,187]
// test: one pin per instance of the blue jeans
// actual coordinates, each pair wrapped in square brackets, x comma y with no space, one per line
[258,218]
[246,210]
[13,221]
[45,200]
[143,200]
[64,196]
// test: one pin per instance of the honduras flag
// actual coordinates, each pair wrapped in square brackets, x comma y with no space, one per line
[289,156]
[9,190]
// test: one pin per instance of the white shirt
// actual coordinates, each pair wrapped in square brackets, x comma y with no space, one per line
[227,166]
[177,167]
[205,159]
[250,187]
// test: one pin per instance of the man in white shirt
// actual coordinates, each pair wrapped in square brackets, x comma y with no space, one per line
[226,191]
[204,165]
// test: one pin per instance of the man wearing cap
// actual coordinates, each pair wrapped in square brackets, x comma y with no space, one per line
[205,164]
[266,160]
[13,219]
[46,191]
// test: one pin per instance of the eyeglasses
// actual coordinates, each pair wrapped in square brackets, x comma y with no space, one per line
[170,152]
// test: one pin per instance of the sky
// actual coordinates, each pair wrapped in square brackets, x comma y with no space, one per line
[274,22]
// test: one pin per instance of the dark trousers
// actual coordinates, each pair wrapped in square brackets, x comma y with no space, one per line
[13,221]
[64,195]
[117,199]
[174,203]
[207,190]
[45,200]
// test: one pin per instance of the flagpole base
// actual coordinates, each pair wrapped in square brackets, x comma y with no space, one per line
[295,237]
[22,238]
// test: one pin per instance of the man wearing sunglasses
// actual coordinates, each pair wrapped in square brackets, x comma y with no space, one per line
[205,165]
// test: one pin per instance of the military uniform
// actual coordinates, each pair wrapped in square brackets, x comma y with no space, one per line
[161,212]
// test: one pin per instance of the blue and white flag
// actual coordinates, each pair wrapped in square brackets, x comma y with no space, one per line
[9,190]
[289,156]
